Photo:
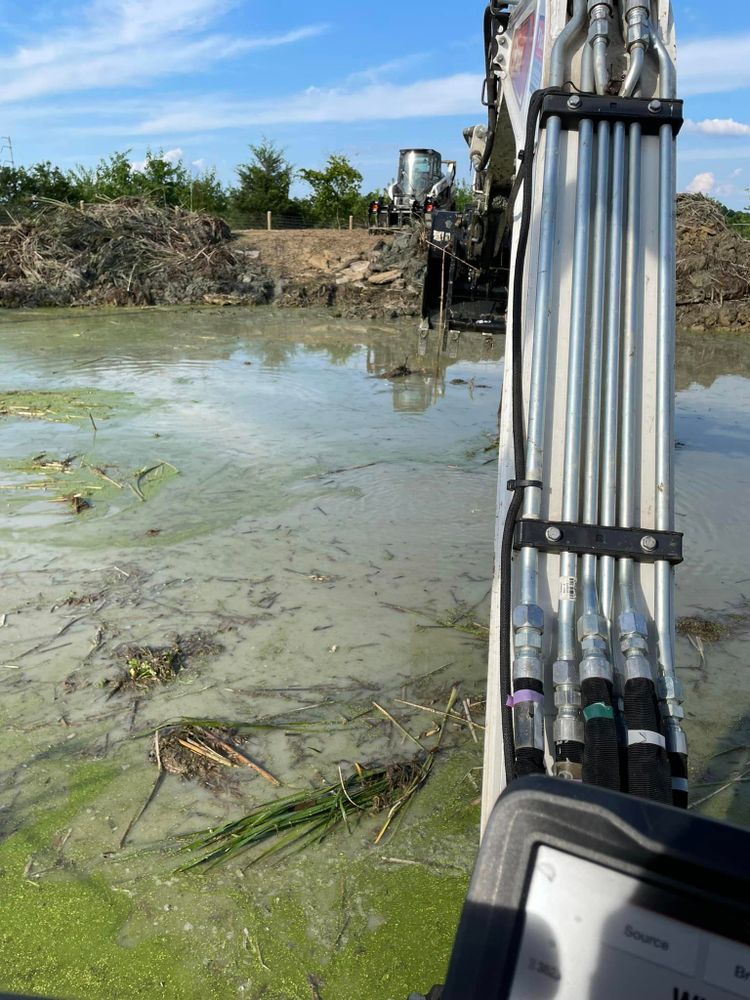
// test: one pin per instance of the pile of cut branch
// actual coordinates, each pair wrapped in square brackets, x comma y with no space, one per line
[124,252]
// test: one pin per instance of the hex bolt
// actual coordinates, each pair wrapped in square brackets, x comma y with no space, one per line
[648,543]
[654,107]
[574,102]
[553,534]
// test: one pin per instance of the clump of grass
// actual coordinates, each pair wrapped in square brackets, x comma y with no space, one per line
[297,821]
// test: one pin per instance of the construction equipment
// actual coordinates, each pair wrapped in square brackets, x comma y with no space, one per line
[580,890]
[570,240]
[424,184]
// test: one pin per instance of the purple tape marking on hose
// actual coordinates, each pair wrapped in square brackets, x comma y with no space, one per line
[525,695]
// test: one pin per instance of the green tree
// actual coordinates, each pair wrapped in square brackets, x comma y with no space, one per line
[336,190]
[463,195]
[264,182]
[207,194]
[22,187]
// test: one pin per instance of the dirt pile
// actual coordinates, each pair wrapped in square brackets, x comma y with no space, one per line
[356,274]
[126,252]
[713,268]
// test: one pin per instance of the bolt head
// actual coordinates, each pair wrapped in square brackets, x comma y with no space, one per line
[553,533]
[574,101]
[648,543]
[654,107]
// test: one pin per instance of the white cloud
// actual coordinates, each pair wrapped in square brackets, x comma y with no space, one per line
[713,65]
[717,126]
[121,42]
[704,183]
[171,156]
[451,95]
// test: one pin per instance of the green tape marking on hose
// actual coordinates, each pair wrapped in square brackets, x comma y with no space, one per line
[598,711]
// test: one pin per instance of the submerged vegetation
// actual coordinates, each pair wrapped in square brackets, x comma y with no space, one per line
[148,666]
[308,817]
[74,481]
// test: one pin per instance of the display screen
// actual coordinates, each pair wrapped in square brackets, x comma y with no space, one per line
[584,936]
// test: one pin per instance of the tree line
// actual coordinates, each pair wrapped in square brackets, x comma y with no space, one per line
[263,184]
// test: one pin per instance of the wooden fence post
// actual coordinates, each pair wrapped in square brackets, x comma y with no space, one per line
[351,222]
[268,221]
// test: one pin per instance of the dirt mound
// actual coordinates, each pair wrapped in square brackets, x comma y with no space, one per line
[357,275]
[126,252]
[713,267]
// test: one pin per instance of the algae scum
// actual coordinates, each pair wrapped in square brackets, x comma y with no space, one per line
[273,540]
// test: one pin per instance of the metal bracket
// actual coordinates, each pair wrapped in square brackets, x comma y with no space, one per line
[649,114]
[639,544]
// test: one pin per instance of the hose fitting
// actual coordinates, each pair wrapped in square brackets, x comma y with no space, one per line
[600,15]
[637,41]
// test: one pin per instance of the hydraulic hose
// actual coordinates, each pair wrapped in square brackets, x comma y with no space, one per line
[648,765]
[524,181]
[491,83]
[528,616]
[601,764]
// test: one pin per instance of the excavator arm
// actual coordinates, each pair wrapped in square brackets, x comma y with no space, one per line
[572,232]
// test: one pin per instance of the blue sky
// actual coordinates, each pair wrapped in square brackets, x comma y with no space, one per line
[202,79]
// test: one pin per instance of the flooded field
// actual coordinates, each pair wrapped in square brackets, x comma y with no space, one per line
[237,495]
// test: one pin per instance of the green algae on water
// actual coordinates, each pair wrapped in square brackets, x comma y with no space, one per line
[60,930]
[61,405]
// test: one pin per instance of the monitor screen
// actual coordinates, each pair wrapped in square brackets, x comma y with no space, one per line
[592,932]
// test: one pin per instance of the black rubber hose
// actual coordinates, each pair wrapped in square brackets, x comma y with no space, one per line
[601,754]
[525,178]
[649,774]
[679,765]
[491,84]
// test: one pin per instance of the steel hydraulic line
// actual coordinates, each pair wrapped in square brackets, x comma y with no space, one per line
[528,616]
[600,756]
[668,686]
[568,726]
[610,407]
[648,766]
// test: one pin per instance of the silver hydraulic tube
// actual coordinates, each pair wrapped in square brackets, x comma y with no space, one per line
[568,726]
[528,616]
[632,625]
[610,389]
[593,630]
[610,401]
[669,688]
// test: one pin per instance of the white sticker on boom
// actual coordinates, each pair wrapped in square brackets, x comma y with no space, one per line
[567,588]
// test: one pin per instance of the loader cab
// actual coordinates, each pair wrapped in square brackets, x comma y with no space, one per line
[418,172]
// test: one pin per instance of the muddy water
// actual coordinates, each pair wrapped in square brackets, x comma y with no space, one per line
[311,500]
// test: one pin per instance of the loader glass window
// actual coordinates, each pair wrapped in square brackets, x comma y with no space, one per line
[419,171]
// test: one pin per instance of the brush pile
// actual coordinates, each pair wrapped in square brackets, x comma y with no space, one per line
[713,268]
[125,252]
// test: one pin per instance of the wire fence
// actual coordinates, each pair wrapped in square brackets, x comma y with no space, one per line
[295,220]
